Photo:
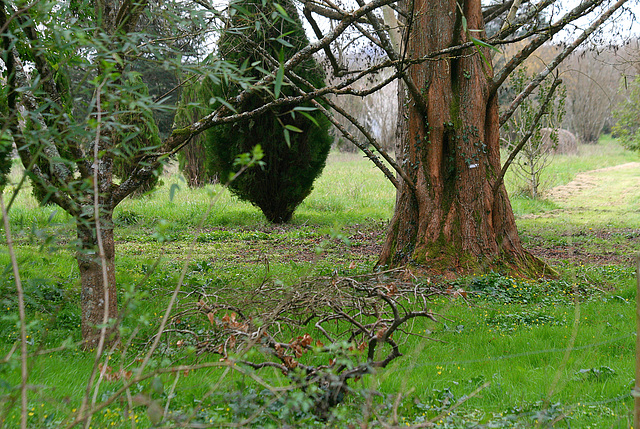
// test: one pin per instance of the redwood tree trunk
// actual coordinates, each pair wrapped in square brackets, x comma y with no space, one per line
[95,294]
[453,220]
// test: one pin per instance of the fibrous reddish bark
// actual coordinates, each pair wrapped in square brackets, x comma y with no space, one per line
[454,219]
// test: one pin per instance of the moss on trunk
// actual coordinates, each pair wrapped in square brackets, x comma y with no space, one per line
[453,220]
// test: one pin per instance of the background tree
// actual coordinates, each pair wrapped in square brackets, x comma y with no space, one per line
[538,135]
[192,158]
[71,150]
[592,80]
[627,116]
[295,142]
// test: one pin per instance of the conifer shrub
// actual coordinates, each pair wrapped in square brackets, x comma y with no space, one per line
[295,141]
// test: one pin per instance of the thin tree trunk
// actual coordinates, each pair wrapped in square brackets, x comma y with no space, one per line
[91,276]
[453,221]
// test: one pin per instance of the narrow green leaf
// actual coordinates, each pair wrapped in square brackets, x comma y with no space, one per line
[281,10]
[479,42]
[284,42]
[311,118]
[172,191]
[239,8]
[225,103]
[304,109]
[279,79]
[287,137]
[293,128]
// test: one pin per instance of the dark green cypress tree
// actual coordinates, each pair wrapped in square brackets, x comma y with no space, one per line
[291,164]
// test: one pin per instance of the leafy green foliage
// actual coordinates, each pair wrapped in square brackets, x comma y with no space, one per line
[139,134]
[627,116]
[194,104]
[6,149]
[6,142]
[295,141]
[495,287]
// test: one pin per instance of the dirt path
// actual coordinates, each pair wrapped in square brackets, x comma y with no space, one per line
[599,212]
[584,180]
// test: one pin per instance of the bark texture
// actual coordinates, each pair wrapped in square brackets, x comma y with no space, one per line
[96,296]
[454,220]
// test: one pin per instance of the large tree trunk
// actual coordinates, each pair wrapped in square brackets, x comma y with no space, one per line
[95,295]
[453,220]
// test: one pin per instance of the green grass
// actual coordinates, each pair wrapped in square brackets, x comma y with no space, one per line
[555,353]
[563,169]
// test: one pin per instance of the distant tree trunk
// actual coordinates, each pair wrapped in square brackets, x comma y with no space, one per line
[453,220]
[91,276]
[192,164]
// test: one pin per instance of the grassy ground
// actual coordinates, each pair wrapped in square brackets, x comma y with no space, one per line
[548,353]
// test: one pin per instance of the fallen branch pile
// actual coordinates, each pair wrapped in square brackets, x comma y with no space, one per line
[321,332]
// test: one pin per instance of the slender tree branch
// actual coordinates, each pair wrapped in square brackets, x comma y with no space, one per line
[522,20]
[338,71]
[511,15]
[525,138]
[494,11]
[504,117]
[579,11]
[24,371]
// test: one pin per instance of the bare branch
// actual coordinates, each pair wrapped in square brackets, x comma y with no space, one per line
[541,112]
[504,117]
[24,370]
[579,11]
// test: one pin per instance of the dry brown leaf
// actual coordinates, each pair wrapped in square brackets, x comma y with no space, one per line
[290,362]
[279,351]
[392,289]
[232,341]
[305,340]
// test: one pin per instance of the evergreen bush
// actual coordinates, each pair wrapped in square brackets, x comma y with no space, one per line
[296,143]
